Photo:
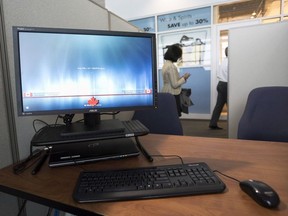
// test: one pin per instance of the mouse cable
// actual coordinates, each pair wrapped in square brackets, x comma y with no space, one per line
[216,171]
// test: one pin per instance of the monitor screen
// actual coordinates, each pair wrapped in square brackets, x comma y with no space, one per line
[61,71]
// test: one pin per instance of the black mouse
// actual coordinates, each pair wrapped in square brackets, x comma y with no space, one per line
[262,193]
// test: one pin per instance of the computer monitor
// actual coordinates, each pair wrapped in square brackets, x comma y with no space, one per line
[70,71]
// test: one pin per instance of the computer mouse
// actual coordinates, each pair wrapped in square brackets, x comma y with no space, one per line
[261,192]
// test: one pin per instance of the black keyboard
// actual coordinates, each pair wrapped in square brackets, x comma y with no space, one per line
[150,182]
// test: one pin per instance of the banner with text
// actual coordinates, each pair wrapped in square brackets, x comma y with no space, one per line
[147,24]
[184,19]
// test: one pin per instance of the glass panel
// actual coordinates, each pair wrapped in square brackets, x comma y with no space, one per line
[147,24]
[185,19]
[196,46]
[285,8]
[243,10]
[223,44]
[271,20]
[271,8]
[200,85]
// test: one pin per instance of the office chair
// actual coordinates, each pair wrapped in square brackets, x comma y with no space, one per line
[265,116]
[164,119]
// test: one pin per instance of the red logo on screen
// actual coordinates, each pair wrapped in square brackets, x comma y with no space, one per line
[93,101]
[28,94]
[148,91]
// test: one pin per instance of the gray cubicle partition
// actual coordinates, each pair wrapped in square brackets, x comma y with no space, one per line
[258,56]
[84,14]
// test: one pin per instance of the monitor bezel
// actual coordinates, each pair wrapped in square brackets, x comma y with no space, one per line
[17,29]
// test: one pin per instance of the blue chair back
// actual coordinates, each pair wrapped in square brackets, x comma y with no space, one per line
[266,115]
[164,119]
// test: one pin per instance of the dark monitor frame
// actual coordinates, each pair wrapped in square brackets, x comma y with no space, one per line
[92,120]
[17,29]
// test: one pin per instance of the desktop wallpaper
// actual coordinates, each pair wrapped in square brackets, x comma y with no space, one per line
[79,71]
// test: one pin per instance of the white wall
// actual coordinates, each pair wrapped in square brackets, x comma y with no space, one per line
[257,57]
[133,9]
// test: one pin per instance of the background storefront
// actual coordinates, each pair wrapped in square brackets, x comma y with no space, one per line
[203,33]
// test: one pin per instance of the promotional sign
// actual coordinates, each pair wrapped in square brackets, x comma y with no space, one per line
[184,19]
[147,24]
[195,44]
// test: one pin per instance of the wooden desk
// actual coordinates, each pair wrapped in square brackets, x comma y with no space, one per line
[266,161]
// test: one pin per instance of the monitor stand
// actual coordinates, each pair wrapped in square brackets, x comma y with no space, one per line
[93,125]
[93,128]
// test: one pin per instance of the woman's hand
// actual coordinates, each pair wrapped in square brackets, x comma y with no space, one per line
[186,76]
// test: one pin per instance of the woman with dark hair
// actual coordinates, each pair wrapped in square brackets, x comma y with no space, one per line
[172,81]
